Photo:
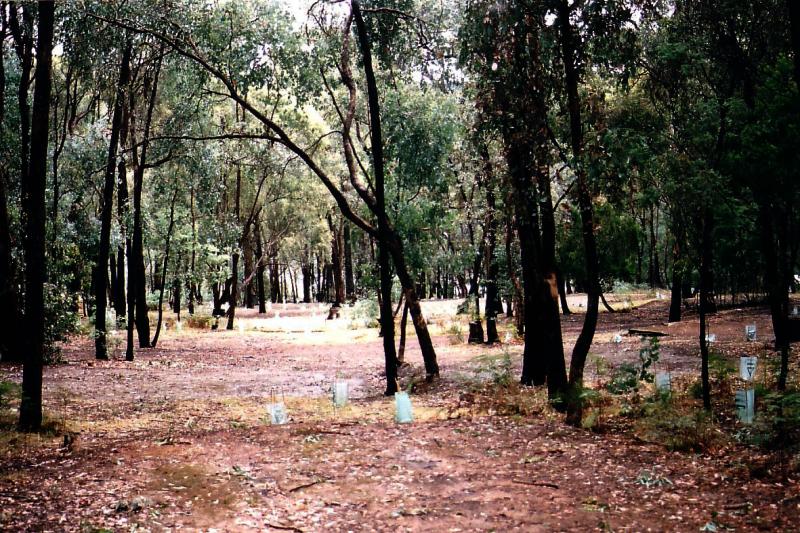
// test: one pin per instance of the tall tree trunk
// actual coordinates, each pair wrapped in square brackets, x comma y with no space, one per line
[249,260]
[262,300]
[584,342]
[705,277]
[349,280]
[234,288]
[101,349]
[517,297]
[137,247]
[776,287]
[193,260]
[562,292]
[401,349]
[164,268]
[122,215]
[384,231]
[30,411]
[675,304]
[337,260]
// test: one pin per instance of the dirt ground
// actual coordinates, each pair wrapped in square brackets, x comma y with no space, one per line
[180,438]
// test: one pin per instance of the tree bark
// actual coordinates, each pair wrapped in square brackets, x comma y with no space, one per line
[384,231]
[30,412]
[164,268]
[234,288]
[349,280]
[101,349]
[580,351]
[137,247]
[705,269]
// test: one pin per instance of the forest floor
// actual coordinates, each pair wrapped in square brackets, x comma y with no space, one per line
[180,438]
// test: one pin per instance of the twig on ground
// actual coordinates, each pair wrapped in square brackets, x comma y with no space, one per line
[535,483]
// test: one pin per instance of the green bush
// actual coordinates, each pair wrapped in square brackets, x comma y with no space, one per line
[8,392]
[625,379]
[499,368]
[678,428]
[60,321]
[366,310]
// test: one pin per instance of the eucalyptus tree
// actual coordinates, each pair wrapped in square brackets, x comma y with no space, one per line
[33,188]
[501,46]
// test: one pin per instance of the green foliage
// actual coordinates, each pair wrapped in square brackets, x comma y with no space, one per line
[366,311]
[61,320]
[9,392]
[678,427]
[624,379]
[648,356]
[498,368]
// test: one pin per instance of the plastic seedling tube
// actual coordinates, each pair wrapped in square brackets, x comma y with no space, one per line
[711,337]
[750,332]
[663,382]
[277,409]
[745,405]
[403,413]
[340,393]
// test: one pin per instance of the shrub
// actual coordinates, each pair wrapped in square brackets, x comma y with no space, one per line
[198,321]
[625,379]
[498,368]
[366,311]
[679,428]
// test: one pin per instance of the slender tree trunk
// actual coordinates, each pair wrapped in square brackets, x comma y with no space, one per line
[776,288]
[101,350]
[336,261]
[562,292]
[401,350]
[517,297]
[675,304]
[705,269]
[30,411]
[137,264]
[384,232]
[584,342]
[164,268]
[234,289]
[262,300]
[192,261]
[349,280]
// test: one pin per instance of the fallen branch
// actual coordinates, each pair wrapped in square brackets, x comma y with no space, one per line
[306,485]
[535,483]
[285,528]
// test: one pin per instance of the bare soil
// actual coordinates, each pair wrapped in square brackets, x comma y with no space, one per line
[180,438]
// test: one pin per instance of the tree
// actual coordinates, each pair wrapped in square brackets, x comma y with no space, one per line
[34,182]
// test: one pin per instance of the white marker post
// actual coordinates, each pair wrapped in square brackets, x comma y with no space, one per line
[745,405]
[663,382]
[750,332]
[747,367]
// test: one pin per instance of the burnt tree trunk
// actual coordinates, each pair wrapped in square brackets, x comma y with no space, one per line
[234,291]
[580,351]
[349,280]
[262,299]
[33,188]
[164,268]
[136,264]
[705,270]
[101,349]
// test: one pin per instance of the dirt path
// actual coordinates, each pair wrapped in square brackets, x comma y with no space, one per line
[178,440]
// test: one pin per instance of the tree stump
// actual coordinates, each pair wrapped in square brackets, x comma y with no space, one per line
[491,331]
[475,332]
